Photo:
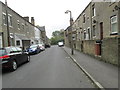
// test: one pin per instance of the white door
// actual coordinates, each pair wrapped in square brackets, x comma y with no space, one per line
[1,42]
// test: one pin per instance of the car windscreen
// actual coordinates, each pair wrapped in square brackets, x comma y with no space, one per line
[2,52]
[34,46]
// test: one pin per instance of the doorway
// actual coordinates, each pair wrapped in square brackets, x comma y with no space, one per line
[101,31]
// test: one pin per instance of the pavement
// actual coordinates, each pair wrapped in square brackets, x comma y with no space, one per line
[104,73]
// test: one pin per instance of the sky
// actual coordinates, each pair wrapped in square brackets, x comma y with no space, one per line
[49,13]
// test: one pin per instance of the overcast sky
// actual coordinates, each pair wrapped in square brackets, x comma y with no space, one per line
[49,13]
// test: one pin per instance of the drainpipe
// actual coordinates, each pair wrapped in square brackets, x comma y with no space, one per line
[119,35]
[119,19]
[8,33]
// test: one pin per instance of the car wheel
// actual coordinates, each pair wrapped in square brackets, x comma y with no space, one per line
[28,58]
[14,65]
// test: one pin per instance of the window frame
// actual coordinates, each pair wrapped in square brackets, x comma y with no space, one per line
[10,20]
[93,11]
[84,34]
[23,26]
[4,18]
[111,23]
[84,18]
[17,42]
[18,24]
[94,31]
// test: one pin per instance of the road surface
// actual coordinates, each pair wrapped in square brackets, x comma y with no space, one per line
[51,68]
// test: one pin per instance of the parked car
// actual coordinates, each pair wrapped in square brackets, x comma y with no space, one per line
[33,49]
[60,44]
[47,46]
[12,57]
[41,46]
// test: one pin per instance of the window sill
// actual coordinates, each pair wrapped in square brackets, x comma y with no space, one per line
[5,24]
[11,26]
[114,33]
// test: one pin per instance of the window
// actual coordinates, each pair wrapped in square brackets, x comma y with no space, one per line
[18,42]
[93,10]
[88,31]
[10,20]
[84,34]
[18,24]
[4,19]
[83,18]
[114,26]
[23,26]
[94,27]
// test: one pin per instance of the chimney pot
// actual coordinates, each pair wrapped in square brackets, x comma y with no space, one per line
[32,20]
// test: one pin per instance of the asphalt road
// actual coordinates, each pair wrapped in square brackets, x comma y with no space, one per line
[51,68]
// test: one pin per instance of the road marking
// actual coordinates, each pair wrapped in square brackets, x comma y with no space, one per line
[87,74]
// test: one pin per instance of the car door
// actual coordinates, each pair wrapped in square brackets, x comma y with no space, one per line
[18,55]
[23,54]
[11,53]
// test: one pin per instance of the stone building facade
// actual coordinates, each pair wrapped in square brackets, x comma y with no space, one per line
[1,32]
[97,31]
[44,38]
[22,33]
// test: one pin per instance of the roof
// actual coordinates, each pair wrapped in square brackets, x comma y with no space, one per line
[17,14]
[42,28]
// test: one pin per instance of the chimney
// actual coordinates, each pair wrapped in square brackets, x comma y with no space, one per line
[26,18]
[32,20]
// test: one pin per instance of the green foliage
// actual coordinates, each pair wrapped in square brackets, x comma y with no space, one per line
[56,37]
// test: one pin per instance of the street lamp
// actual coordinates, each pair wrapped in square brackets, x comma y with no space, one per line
[71,21]
[8,33]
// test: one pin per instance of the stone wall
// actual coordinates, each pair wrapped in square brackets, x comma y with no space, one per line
[89,47]
[110,50]
[119,51]
[78,45]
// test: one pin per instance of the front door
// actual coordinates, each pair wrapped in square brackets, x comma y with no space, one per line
[101,30]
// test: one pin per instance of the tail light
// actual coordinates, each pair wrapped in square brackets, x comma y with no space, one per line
[4,57]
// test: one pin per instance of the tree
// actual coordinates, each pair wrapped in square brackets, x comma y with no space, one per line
[57,36]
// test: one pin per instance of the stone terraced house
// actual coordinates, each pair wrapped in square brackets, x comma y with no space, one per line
[22,33]
[98,31]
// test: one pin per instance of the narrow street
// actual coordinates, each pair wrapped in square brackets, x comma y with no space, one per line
[51,68]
